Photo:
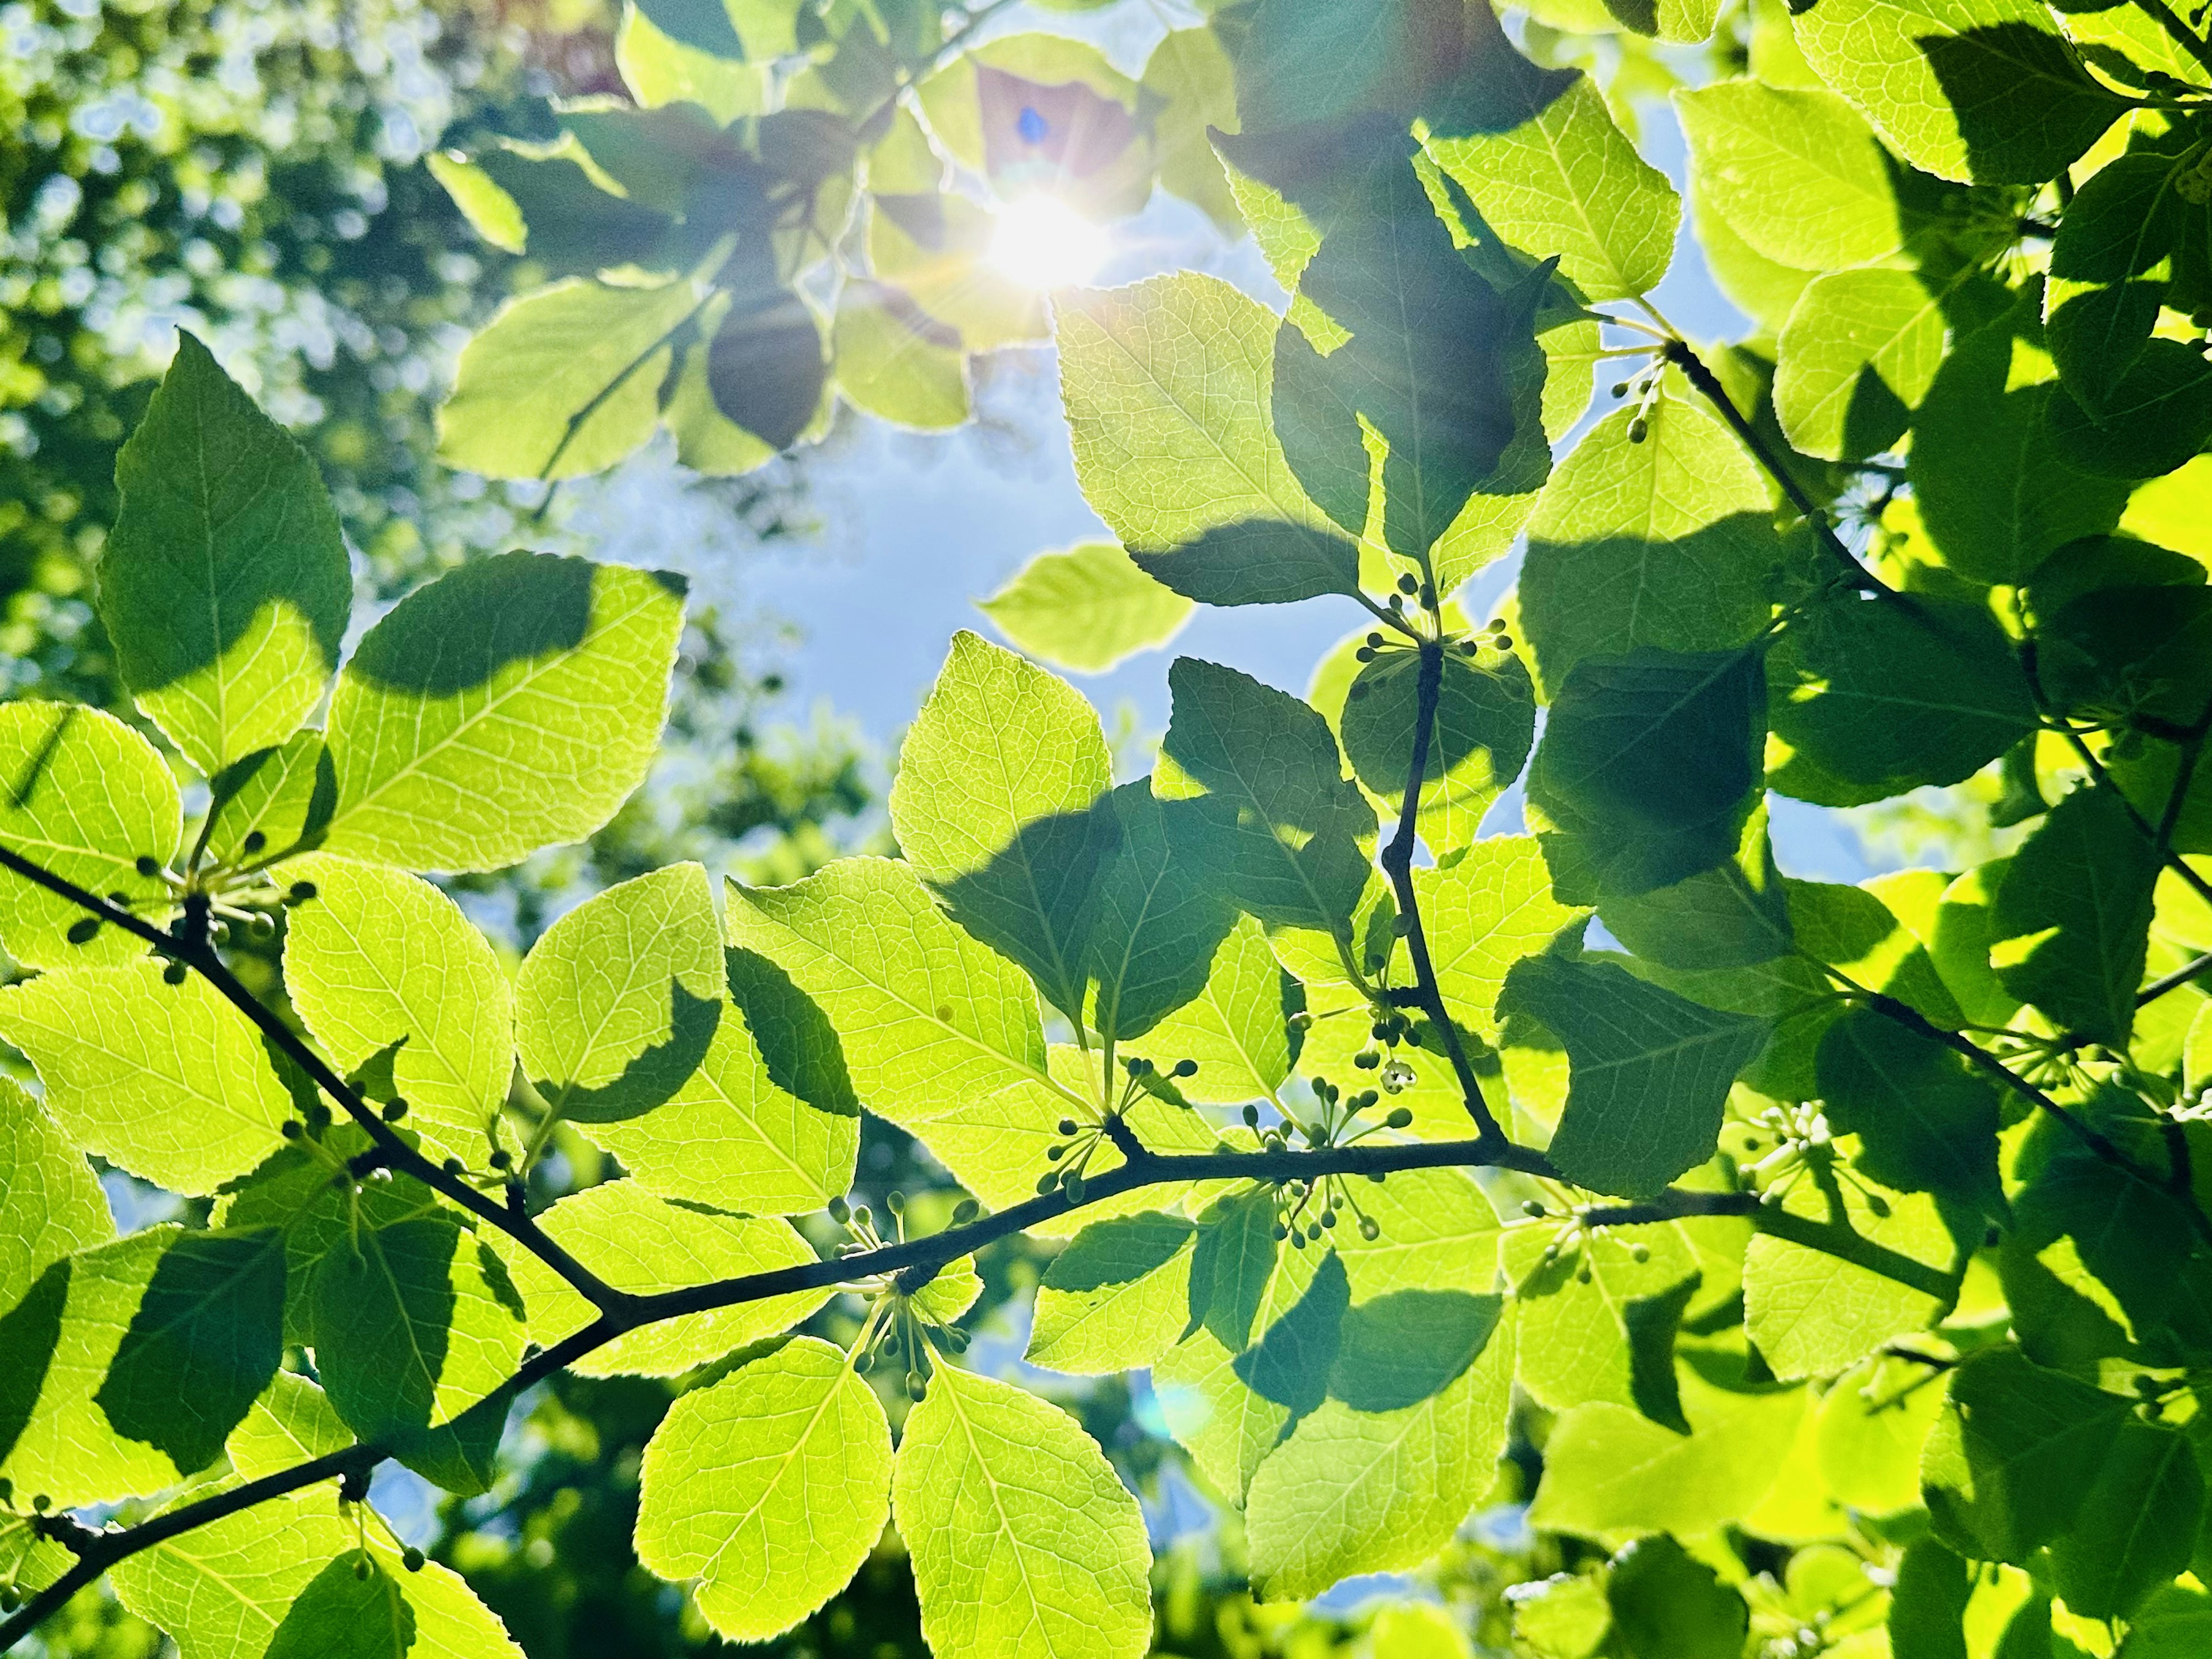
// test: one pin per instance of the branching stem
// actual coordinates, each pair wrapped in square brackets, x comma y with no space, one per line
[1398,864]
[394,1153]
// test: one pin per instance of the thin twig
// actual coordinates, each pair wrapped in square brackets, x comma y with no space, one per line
[1678,352]
[395,1153]
[1398,864]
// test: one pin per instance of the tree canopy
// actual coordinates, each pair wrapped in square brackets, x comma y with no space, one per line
[1820,1266]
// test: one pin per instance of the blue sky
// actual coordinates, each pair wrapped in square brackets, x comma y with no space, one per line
[915,528]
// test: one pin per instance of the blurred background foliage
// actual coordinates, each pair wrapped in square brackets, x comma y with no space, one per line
[252,170]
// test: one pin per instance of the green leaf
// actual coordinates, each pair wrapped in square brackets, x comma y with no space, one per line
[55,1439]
[1257,561]
[1665,541]
[50,1204]
[293,1422]
[1996,496]
[352,1609]
[224,583]
[2120,223]
[1812,1312]
[510,705]
[1857,355]
[1115,1298]
[1762,288]
[1227,1429]
[1611,1473]
[2069,929]
[646,1245]
[285,795]
[1733,916]
[1024,1540]
[205,1338]
[1646,771]
[1402,1348]
[936,1033]
[1874,697]
[1649,1071]
[378,960]
[86,797]
[1236,1029]
[1926,1121]
[563,382]
[1296,65]
[1874,1420]
[1568,181]
[1425,368]
[2017,1449]
[2096,333]
[991,808]
[660,1069]
[1482,915]
[1796,174]
[414,1322]
[1485,724]
[2136,1525]
[1668,1605]
[1986,90]
[1291,1363]
[222,1589]
[895,362]
[769,1489]
[1154,924]
[2154,417]
[1290,854]
[168,1081]
[1609,1335]
[1353,1491]
[1086,609]
[2174,1624]
[1562,1617]
[1167,385]
[1190,76]
[2133,651]
[1232,1262]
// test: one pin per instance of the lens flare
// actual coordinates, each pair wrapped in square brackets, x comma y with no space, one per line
[1042,243]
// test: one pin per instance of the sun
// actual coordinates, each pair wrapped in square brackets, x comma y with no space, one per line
[1042,243]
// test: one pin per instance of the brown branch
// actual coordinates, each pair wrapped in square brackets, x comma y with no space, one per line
[1677,351]
[1397,862]
[393,1150]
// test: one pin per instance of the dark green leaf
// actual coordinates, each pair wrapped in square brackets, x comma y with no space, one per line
[765,366]
[1874,697]
[1647,769]
[1995,495]
[1668,1604]
[2137,1525]
[1230,1264]
[1291,1363]
[1155,921]
[1486,720]
[1733,915]
[1117,1251]
[2157,416]
[1928,1604]
[1402,1347]
[352,1609]
[1257,561]
[1425,368]
[1283,826]
[2016,1450]
[2124,651]
[2071,928]
[1926,1121]
[1649,1072]
[206,1338]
